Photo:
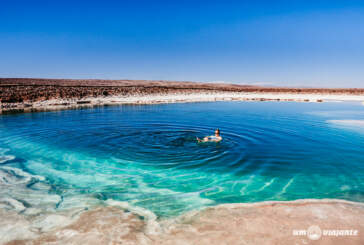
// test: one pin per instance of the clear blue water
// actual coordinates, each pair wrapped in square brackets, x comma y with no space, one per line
[148,156]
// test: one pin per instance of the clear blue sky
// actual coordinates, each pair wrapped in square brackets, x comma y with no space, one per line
[291,43]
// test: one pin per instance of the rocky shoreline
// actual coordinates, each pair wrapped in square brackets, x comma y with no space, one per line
[28,95]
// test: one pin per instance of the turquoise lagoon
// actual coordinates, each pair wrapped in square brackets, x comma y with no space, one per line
[147,155]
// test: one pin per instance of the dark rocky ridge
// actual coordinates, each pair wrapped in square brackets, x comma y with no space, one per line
[18,90]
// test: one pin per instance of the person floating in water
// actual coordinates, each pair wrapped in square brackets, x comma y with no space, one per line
[213,138]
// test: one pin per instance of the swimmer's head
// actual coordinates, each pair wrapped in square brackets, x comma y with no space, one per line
[217,132]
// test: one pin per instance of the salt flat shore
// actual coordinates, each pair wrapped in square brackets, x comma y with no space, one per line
[61,104]
[27,95]
[327,221]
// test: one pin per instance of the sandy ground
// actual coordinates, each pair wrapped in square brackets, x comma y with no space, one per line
[284,223]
